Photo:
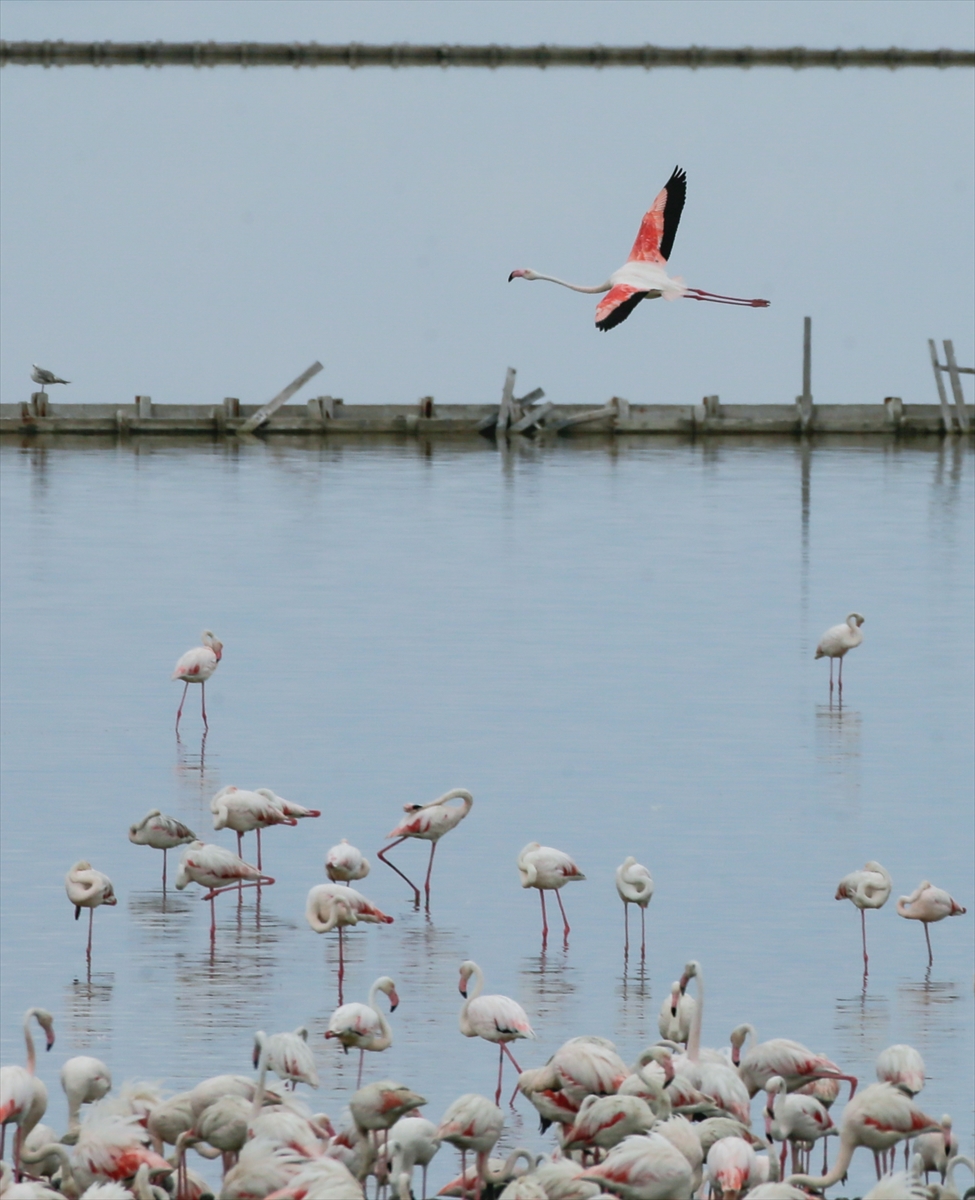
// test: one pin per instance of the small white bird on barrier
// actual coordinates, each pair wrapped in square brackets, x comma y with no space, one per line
[44,377]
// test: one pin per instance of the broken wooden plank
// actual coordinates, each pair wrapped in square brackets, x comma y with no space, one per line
[282,397]
[957,393]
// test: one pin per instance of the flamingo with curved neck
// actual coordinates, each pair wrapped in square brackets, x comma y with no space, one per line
[497,1019]
[429,823]
[23,1097]
[364,1025]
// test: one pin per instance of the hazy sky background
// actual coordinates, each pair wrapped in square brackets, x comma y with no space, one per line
[196,234]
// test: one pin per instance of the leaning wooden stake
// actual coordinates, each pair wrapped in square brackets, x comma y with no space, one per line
[262,414]
[959,396]
[805,400]
[936,367]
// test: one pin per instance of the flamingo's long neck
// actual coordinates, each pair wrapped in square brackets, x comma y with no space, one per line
[478,976]
[847,1146]
[31,1055]
[577,287]
[374,1005]
[694,1037]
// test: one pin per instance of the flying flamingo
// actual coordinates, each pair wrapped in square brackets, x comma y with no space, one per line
[927,903]
[642,276]
[472,1122]
[363,1025]
[244,811]
[647,1166]
[23,1097]
[878,1117]
[218,870]
[343,863]
[869,888]
[289,1056]
[84,1080]
[162,833]
[835,643]
[497,1019]
[196,666]
[428,822]
[331,906]
[88,888]
[547,869]
[634,885]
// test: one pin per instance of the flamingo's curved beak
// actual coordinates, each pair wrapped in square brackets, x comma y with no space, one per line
[516,275]
[393,1001]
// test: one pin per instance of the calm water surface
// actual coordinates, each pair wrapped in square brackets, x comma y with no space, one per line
[609,645]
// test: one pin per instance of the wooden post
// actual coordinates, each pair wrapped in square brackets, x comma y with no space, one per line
[960,415]
[507,401]
[282,397]
[936,367]
[143,406]
[805,400]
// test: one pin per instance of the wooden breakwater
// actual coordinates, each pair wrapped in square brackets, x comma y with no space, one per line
[330,417]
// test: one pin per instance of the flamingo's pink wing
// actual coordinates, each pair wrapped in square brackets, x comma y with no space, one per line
[617,305]
[655,240]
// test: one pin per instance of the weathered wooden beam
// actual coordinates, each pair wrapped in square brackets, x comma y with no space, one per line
[534,417]
[957,393]
[282,397]
[942,397]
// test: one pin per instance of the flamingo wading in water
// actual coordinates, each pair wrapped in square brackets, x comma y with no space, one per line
[88,888]
[428,822]
[547,869]
[161,833]
[643,276]
[837,641]
[218,870]
[869,888]
[928,903]
[497,1019]
[333,906]
[634,885]
[196,666]
[363,1025]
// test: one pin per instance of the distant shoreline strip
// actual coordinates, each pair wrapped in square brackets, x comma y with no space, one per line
[356,54]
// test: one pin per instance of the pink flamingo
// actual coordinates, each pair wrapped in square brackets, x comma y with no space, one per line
[344,863]
[218,870]
[878,1117]
[331,906]
[837,641]
[196,666]
[926,904]
[604,1121]
[902,1066]
[547,869]
[634,885]
[88,888]
[869,888]
[23,1097]
[84,1080]
[289,1056]
[244,811]
[647,1166]
[794,1118]
[794,1062]
[497,1019]
[643,277]
[730,1162]
[162,833]
[429,822]
[363,1025]
[472,1122]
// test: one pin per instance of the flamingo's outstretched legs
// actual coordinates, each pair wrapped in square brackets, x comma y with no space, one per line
[382,854]
[179,711]
[717,298]
[565,919]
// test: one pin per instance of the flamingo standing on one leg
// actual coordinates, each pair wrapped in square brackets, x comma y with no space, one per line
[428,822]
[196,666]
[634,885]
[363,1025]
[547,869]
[331,906]
[869,888]
[217,869]
[928,903]
[835,643]
[643,275]
[243,811]
[23,1097]
[343,863]
[162,833]
[88,888]
[497,1019]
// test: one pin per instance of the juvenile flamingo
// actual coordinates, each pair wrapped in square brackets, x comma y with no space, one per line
[497,1019]
[837,641]
[869,888]
[547,869]
[634,885]
[162,833]
[363,1025]
[196,666]
[218,870]
[19,1086]
[343,863]
[926,904]
[643,275]
[429,822]
[88,888]
[331,906]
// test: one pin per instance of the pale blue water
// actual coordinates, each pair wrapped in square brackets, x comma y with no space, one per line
[610,645]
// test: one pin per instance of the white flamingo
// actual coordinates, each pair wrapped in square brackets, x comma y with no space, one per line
[196,666]
[363,1025]
[634,885]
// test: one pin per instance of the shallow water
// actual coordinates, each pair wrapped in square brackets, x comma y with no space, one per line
[609,644]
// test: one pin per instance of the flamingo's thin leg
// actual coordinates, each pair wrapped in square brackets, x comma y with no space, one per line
[382,855]
[626,926]
[240,852]
[203,704]
[643,932]
[362,1055]
[179,711]
[341,965]
[258,849]
[497,1094]
[825,1152]
[541,896]
[839,687]
[426,886]
[91,917]
[164,870]
[863,927]
[565,919]
[505,1050]
[213,919]
[831,676]
[927,938]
